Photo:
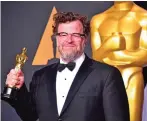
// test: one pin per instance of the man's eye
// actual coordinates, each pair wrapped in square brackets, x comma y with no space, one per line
[63,34]
[76,35]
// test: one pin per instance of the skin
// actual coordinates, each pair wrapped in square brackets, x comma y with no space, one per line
[15,78]
[69,48]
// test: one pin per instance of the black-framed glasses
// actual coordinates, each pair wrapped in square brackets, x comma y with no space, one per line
[73,35]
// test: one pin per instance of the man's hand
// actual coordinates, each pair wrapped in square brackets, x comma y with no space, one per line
[15,79]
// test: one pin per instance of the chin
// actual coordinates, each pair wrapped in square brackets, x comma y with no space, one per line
[69,54]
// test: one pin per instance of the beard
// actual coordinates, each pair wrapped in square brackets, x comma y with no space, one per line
[69,55]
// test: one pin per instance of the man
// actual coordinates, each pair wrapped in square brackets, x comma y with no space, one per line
[75,89]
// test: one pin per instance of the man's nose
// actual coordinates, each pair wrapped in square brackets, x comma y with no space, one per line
[69,39]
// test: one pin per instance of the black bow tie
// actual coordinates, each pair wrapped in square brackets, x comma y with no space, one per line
[70,66]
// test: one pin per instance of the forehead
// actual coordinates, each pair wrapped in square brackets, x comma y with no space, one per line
[71,27]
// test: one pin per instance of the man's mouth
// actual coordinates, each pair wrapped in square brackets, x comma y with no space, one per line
[69,46]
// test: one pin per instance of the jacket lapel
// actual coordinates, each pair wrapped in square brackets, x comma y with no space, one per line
[81,75]
[51,88]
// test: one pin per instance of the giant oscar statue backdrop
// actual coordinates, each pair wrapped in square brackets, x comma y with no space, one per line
[119,38]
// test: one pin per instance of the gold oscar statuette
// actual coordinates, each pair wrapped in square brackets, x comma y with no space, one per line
[119,38]
[21,59]
[10,92]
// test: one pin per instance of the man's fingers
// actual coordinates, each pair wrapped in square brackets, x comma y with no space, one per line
[15,78]
[13,71]
[12,83]
[21,78]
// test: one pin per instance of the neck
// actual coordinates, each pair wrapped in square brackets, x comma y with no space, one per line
[123,5]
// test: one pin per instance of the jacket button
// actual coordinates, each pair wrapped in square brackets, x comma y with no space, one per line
[59,119]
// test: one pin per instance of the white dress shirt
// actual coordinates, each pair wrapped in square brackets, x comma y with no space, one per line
[64,80]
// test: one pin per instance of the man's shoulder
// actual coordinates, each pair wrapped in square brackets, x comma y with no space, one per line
[102,66]
[102,71]
[51,65]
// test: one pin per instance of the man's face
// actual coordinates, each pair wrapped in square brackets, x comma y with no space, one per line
[70,40]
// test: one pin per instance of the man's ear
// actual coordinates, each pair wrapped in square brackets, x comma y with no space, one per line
[86,39]
[53,38]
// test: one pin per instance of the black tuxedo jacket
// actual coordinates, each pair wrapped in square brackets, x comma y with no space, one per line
[96,94]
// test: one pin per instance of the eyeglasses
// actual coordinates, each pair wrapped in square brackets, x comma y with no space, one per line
[73,35]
